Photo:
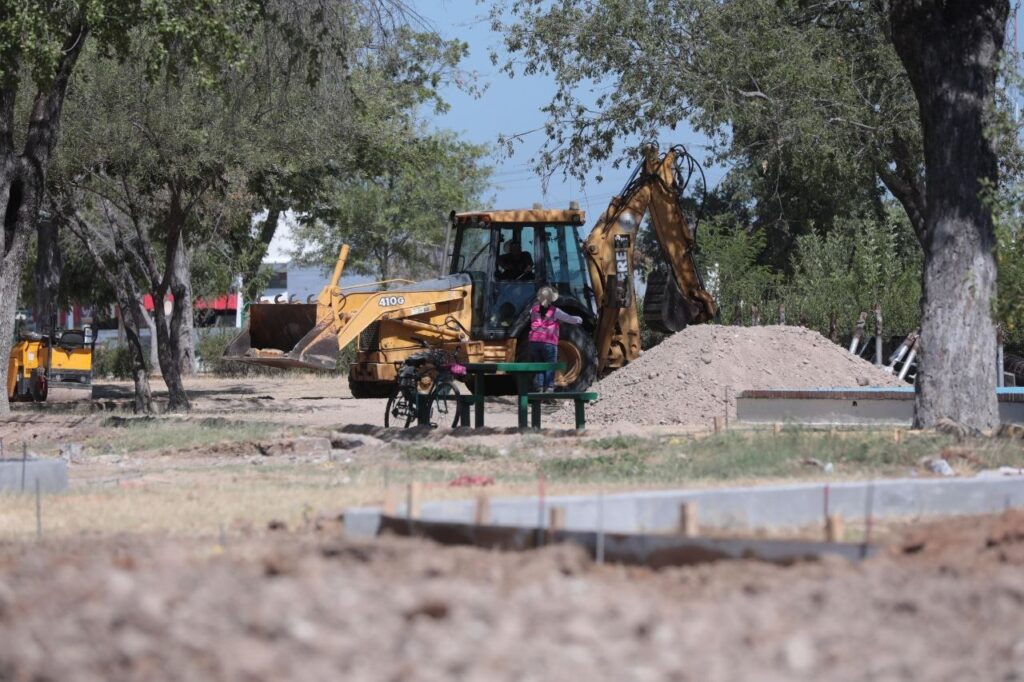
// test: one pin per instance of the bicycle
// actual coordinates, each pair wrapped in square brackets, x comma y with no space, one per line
[425,382]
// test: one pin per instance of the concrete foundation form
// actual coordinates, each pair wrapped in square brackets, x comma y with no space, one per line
[797,505]
[22,475]
[654,551]
[863,406]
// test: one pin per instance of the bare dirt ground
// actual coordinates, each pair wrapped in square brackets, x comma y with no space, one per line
[158,563]
[251,450]
[293,447]
[942,602]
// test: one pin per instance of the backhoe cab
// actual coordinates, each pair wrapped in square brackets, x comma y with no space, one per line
[508,255]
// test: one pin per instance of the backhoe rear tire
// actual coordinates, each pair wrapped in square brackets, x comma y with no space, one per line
[370,389]
[39,387]
[576,349]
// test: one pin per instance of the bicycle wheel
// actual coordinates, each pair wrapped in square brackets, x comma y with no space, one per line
[444,404]
[398,410]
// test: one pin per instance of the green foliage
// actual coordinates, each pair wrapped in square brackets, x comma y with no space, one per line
[1005,201]
[392,212]
[628,464]
[436,454]
[729,260]
[848,270]
[806,103]
[1010,301]
[169,36]
[113,361]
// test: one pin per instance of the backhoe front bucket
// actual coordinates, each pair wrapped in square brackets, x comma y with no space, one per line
[285,335]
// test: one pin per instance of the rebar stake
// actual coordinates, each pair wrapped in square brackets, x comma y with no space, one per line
[39,513]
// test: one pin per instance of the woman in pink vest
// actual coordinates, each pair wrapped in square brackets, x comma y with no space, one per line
[544,320]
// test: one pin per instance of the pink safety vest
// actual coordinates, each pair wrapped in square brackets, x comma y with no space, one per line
[543,329]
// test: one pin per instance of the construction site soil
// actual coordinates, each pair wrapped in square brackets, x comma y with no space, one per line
[943,601]
[694,376]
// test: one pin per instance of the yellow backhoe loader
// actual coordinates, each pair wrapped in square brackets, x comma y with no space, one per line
[480,309]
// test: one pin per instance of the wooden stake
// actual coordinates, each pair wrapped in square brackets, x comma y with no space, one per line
[755,316]
[413,500]
[719,424]
[726,407]
[833,327]
[776,427]
[390,506]
[688,519]
[835,529]
[782,313]
[556,522]
[482,510]
[897,436]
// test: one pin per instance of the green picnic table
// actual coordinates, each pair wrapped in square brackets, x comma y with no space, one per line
[524,373]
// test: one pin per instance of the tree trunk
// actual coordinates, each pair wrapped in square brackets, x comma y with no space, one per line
[22,179]
[167,354]
[182,313]
[154,359]
[12,250]
[120,326]
[143,401]
[49,265]
[21,212]
[133,317]
[950,50]
[131,314]
[10,278]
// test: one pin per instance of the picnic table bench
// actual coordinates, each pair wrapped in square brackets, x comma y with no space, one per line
[580,398]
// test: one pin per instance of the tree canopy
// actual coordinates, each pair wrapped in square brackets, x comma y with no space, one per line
[806,104]
[393,210]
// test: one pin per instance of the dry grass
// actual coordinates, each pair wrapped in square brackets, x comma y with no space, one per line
[199,476]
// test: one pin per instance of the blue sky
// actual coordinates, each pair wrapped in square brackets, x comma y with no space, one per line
[510,106]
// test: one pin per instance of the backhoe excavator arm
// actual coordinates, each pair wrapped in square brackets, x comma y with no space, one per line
[671,302]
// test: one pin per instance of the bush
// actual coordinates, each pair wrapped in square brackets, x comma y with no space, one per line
[848,270]
[113,360]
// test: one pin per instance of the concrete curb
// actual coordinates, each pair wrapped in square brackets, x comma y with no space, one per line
[865,406]
[764,507]
[20,476]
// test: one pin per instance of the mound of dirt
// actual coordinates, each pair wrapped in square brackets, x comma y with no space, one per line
[694,376]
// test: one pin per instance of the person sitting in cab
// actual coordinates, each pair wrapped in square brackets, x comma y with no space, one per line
[515,264]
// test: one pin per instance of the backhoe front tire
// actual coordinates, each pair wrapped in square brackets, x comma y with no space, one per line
[370,389]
